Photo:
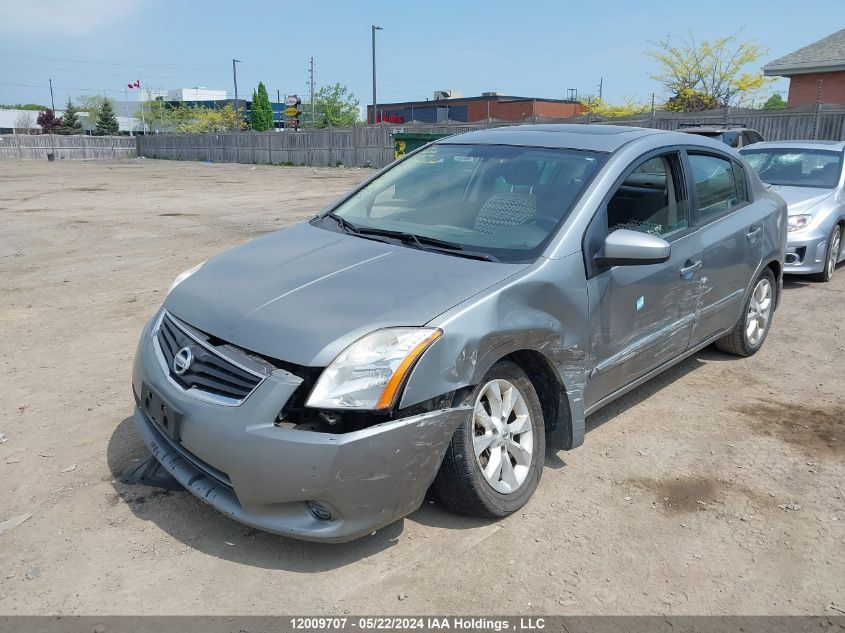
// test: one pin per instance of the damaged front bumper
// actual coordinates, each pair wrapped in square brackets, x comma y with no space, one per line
[238,461]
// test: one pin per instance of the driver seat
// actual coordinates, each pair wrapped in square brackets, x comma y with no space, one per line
[509,208]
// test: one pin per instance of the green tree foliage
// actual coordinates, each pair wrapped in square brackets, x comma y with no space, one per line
[90,104]
[48,121]
[155,114]
[106,121]
[261,114]
[710,71]
[24,106]
[334,106]
[70,121]
[593,106]
[775,102]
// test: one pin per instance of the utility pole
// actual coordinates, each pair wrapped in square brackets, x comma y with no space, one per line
[601,87]
[237,110]
[311,73]
[375,111]
[52,103]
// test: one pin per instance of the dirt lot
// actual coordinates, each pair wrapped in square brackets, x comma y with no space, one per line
[717,488]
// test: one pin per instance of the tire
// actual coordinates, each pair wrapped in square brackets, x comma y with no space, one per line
[460,483]
[760,304]
[831,255]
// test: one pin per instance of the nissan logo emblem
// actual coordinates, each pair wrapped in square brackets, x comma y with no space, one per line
[182,361]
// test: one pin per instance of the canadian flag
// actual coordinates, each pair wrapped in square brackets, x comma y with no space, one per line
[134,84]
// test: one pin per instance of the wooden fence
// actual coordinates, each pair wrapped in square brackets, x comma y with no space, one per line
[373,146]
[353,147]
[36,147]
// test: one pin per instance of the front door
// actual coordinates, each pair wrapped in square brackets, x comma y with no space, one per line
[641,316]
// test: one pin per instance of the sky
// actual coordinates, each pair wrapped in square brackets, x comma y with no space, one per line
[536,49]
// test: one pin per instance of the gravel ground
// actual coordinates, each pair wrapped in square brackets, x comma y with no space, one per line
[717,488]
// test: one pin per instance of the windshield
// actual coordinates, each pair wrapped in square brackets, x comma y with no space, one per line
[499,202]
[796,167]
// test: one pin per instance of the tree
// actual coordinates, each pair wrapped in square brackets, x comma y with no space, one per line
[90,104]
[23,106]
[593,106]
[24,121]
[775,102]
[261,114]
[70,123]
[106,121]
[712,71]
[689,100]
[48,121]
[334,106]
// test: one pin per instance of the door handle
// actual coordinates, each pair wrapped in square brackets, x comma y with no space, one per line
[690,268]
[753,232]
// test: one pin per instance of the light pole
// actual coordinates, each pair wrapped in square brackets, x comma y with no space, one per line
[375,112]
[235,78]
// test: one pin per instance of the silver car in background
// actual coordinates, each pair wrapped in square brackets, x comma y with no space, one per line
[808,175]
[437,324]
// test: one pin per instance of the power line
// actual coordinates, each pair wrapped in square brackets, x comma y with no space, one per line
[120,64]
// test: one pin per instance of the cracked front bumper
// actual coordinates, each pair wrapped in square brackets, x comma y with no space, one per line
[238,461]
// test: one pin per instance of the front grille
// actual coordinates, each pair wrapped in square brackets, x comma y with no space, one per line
[209,372]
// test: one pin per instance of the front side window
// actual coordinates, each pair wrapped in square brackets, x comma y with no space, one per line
[796,167]
[719,185]
[651,199]
[501,201]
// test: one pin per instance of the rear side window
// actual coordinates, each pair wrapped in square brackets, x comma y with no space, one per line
[719,185]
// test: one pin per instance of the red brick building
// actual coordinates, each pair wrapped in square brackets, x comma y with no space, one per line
[471,109]
[822,61]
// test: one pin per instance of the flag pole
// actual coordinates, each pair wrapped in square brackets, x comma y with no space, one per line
[126,101]
[143,120]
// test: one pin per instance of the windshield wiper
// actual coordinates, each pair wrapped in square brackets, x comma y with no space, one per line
[344,224]
[424,243]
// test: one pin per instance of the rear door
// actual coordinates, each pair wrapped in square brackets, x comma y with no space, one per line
[731,233]
[641,316]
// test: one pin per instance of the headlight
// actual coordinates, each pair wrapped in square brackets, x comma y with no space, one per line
[369,373]
[184,275]
[798,222]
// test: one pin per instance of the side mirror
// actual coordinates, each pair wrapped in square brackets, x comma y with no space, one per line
[624,247]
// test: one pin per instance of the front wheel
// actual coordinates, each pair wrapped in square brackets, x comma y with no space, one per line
[495,459]
[834,243]
[750,331]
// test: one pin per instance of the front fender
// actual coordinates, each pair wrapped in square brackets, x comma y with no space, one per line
[543,309]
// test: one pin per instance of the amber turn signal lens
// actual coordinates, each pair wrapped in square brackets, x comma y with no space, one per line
[391,390]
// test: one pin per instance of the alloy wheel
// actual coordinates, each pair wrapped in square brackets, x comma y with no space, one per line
[503,437]
[759,312]
[835,241]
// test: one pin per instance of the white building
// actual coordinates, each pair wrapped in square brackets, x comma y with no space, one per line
[195,94]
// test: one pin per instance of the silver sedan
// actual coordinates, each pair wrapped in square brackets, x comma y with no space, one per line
[808,175]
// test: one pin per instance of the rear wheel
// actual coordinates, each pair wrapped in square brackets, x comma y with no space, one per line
[495,459]
[834,244]
[750,331]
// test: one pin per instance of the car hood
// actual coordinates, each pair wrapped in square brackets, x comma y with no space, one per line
[800,199]
[304,293]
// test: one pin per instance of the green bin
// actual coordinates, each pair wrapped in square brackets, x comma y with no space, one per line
[407,142]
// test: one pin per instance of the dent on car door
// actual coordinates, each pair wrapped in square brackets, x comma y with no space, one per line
[731,231]
[641,315]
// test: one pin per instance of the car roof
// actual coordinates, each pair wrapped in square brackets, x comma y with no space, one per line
[828,145]
[714,129]
[598,138]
